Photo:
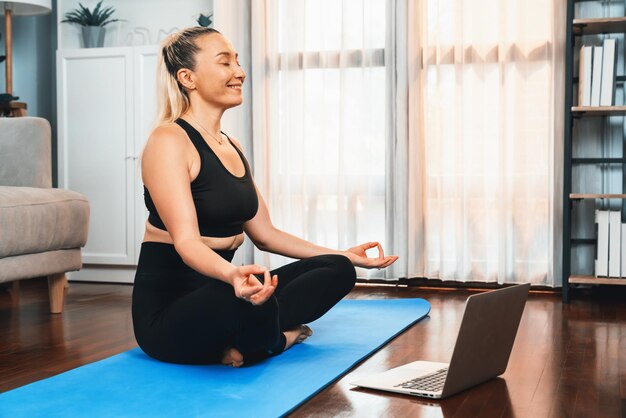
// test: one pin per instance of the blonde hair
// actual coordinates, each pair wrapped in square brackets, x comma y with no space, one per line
[177,51]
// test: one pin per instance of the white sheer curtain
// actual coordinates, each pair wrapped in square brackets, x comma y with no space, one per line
[485,119]
[318,112]
[433,126]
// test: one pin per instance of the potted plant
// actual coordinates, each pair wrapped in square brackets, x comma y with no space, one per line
[205,20]
[92,23]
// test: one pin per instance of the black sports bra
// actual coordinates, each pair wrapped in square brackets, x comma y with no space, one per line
[223,201]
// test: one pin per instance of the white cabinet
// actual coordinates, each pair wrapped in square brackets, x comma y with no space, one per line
[106,110]
[96,141]
[106,102]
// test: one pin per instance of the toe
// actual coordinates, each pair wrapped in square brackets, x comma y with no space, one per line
[232,357]
[236,355]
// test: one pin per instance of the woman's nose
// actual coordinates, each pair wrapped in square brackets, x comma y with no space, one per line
[240,74]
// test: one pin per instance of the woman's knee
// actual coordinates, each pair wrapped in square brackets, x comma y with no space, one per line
[344,270]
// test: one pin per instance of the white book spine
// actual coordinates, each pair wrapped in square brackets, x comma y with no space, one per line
[608,72]
[615,242]
[623,251]
[596,76]
[602,260]
[584,75]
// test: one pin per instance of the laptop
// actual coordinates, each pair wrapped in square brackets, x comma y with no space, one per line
[481,352]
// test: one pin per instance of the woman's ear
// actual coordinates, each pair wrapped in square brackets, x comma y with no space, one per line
[185,79]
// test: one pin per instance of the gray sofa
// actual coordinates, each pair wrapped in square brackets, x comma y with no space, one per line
[42,229]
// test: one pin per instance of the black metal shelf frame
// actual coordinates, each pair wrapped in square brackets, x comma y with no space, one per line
[601,160]
[567,149]
[583,241]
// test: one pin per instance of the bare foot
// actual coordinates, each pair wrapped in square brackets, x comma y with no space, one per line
[232,357]
[297,335]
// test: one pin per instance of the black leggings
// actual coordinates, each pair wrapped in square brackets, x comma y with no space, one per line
[181,316]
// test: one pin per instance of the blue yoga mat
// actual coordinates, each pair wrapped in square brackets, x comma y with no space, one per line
[132,384]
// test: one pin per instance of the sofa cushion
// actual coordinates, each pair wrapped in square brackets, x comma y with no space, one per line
[28,266]
[34,220]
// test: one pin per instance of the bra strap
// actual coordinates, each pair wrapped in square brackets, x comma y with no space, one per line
[192,133]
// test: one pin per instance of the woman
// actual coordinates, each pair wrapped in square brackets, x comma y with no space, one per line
[190,304]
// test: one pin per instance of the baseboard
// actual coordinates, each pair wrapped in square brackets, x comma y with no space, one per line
[103,274]
[449,284]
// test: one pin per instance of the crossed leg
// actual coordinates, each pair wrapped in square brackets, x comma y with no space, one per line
[306,290]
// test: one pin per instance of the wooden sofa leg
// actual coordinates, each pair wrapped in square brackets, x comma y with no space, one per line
[56,291]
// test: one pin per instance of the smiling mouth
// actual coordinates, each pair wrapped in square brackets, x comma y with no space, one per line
[235,86]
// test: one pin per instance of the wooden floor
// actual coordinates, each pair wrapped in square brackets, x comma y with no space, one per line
[568,360]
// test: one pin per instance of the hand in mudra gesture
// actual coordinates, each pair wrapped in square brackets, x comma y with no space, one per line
[360,259]
[249,288]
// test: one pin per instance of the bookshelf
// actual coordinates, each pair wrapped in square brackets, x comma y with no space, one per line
[581,279]
[598,26]
[577,28]
[579,111]
[579,196]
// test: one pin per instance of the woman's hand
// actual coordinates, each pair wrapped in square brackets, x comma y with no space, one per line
[249,288]
[360,259]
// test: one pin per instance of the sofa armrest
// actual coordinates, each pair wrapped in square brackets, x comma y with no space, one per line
[25,152]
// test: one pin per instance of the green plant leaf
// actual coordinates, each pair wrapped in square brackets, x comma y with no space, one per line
[100,16]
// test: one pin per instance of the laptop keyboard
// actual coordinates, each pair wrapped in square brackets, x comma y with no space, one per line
[432,382]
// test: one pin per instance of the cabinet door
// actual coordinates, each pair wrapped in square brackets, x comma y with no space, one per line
[95,122]
[145,116]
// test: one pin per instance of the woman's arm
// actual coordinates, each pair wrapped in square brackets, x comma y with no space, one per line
[267,237]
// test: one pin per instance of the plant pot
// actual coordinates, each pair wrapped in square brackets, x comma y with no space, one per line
[93,36]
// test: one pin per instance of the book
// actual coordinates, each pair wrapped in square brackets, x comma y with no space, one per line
[602,247]
[584,75]
[615,243]
[596,76]
[609,62]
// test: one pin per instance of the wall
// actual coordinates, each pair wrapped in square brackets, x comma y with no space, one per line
[34,46]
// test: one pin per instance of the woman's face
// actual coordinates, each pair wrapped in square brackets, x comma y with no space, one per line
[218,78]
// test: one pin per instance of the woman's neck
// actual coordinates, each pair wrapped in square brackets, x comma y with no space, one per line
[207,116]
